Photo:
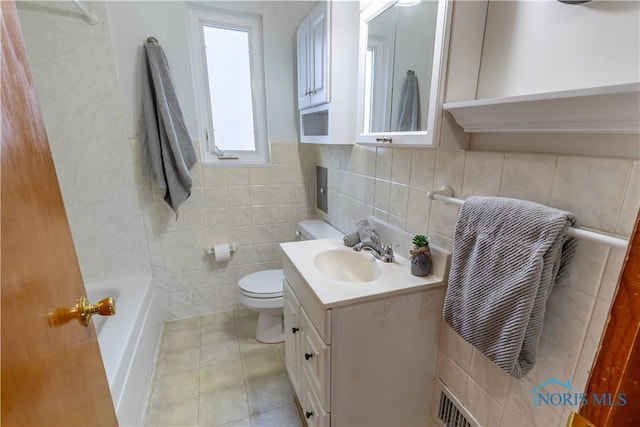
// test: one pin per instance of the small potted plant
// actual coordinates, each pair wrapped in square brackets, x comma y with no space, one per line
[420,256]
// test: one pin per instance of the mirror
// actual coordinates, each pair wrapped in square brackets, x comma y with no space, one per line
[400,62]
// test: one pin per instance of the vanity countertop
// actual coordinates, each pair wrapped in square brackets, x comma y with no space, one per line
[395,278]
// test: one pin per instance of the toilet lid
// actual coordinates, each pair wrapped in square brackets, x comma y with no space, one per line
[263,283]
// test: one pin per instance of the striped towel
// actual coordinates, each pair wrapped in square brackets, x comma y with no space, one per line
[507,255]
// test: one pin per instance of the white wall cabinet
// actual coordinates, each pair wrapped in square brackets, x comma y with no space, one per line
[312,48]
[402,48]
[542,82]
[366,363]
[327,61]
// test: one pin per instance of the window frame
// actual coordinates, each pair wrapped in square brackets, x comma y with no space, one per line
[252,23]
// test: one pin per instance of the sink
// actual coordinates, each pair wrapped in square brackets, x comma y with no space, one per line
[348,266]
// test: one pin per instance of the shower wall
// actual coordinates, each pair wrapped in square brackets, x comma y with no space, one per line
[77,84]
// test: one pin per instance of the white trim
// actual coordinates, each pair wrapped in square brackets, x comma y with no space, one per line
[606,109]
[251,23]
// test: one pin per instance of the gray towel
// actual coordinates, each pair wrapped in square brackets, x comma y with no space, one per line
[351,239]
[366,233]
[507,255]
[167,152]
[409,117]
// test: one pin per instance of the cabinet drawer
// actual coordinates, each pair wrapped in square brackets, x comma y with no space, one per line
[316,362]
[320,318]
[315,415]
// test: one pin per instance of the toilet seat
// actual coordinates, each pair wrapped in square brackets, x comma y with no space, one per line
[262,284]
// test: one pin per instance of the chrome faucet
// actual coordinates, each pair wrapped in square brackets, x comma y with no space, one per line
[382,252]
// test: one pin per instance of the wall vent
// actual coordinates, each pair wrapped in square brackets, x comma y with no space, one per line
[450,412]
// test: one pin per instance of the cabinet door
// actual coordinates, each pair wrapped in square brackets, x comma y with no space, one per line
[316,362]
[402,73]
[292,336]
[302,49]
[314,413]
[319,54]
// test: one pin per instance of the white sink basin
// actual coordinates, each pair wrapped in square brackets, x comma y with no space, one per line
[337,275]
[347,266]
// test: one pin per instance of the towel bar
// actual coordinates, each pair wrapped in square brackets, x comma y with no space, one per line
[446,192]
[89,17]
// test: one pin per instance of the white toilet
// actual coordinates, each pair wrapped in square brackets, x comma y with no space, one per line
[262,291]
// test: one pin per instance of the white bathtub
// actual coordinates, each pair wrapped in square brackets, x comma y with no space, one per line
[128,342]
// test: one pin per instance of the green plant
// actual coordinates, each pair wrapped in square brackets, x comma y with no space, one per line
[420,241]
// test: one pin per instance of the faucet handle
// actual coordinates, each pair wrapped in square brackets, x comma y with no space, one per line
[387,251]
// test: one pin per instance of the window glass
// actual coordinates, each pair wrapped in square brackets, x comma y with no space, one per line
[229,74]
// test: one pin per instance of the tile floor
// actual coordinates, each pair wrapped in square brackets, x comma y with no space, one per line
[212,372]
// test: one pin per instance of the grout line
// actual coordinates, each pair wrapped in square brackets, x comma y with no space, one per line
[626,191]
[154,376]
[553,181]
[242,368]
[199,371]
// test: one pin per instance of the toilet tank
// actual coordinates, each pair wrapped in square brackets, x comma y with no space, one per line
[316,229]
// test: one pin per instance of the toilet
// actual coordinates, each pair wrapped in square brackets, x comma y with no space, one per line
[262,291]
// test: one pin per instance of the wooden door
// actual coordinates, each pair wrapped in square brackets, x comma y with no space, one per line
[616,369]
[50,375]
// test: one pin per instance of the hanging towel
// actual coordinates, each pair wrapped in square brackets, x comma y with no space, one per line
[507,255]
[409,117]
[167,152]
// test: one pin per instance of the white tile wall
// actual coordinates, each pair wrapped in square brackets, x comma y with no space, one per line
[88,136]
[602,192]
[255,208]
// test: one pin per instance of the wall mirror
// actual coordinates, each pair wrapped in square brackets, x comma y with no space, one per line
[402,57]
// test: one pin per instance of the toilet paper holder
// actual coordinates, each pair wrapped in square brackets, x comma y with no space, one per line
[209,250]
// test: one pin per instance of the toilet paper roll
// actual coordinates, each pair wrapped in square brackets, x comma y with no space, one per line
[222,252]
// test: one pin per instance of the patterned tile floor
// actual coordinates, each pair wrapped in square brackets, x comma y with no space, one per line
[212,372]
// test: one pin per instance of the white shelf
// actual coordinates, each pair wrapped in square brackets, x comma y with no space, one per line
[606,109]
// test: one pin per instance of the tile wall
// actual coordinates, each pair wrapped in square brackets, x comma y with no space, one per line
[603,192]
[254,208]
[88,136]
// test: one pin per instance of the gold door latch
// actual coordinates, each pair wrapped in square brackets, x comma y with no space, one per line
[83,311]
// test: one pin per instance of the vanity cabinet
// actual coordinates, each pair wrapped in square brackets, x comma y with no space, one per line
[307,359]
[368,362]
[312,48]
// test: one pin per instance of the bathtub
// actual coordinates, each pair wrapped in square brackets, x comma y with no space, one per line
[128,342]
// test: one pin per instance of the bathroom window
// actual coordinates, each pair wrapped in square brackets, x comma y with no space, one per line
[227,62]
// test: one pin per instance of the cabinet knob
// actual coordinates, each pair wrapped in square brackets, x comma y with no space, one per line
[294,330]
[308,356]
[308,414]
